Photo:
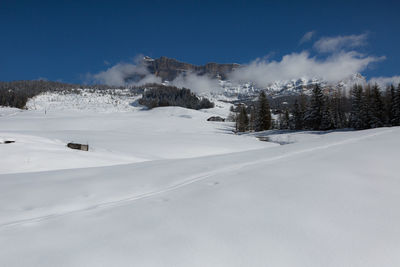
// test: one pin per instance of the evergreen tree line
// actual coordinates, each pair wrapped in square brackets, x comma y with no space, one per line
[371,108]
[157,95]
[17,93]
[260,118]
[13,99]
[365,107]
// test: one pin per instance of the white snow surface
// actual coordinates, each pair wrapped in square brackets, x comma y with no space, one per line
[164,187]
[113,137]
[110,100]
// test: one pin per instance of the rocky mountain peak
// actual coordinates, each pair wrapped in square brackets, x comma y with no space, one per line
[169,68]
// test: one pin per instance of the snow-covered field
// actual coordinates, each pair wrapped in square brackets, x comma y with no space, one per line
[115,100]
[167,188]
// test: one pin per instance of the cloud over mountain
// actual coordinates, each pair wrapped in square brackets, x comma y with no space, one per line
[302,65]
[336,59]
[384,81]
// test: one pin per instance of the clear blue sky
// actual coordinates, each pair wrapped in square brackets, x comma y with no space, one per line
[64,40]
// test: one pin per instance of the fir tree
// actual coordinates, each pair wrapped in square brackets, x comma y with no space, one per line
[252,118]
[326,120]
[389,101]
[242,120]
[396,107]
[356,120]
[377,117]
[339,119]
[365,115]
[263,113]
[313,117]
[284,120]
[298,116]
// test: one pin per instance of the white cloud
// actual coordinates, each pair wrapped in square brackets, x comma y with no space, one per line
[384,81]
[196,83]
[301,65]
[307,37]
[333,44]
[125,74]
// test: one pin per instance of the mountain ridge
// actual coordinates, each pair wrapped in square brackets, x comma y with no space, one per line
[169,68]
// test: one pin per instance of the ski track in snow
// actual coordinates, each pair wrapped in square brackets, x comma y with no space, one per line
[191,180]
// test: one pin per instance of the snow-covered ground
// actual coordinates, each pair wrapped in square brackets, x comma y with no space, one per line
[167,188]
[105,101]
[113,137]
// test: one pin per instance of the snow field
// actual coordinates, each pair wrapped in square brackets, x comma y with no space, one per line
[167,188]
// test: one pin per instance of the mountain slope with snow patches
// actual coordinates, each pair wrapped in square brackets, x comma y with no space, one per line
[286,88]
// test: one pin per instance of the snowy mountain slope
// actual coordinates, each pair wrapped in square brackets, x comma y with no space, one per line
[286,88]
[327,201]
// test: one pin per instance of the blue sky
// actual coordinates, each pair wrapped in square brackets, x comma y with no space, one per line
[66,40]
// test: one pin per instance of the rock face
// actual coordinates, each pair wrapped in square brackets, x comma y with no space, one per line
[169,68]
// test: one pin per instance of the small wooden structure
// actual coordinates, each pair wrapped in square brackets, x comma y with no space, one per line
[78,146]
[8,142]
[264,138]
[215,118]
